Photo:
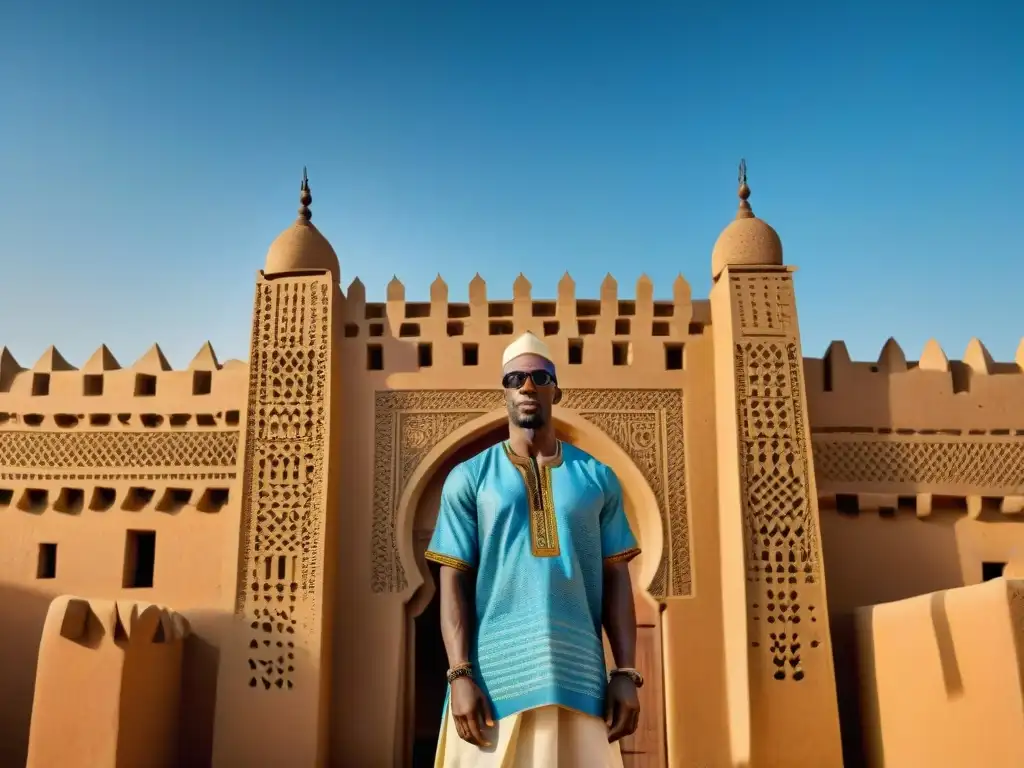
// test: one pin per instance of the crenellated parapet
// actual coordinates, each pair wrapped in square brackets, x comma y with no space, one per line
[920,435]
[104,437]
[617,326]
[566,315]
[933,393]
[108,685]
[54,394]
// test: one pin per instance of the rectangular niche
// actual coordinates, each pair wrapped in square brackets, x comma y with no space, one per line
[46,564]
[139,559]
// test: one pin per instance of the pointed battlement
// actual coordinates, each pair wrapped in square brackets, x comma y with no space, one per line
[148,394]
[565,315]
[932,392]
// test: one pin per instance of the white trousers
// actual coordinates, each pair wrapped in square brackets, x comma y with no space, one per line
[546,737]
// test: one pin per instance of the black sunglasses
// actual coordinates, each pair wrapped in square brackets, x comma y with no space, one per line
[516,379]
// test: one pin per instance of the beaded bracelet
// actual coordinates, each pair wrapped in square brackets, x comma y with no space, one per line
[632,674]
[462,670]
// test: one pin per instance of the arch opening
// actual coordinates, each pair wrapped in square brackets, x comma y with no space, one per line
[417,516]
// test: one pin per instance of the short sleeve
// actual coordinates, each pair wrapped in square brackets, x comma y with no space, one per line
[618,545]
[455,542]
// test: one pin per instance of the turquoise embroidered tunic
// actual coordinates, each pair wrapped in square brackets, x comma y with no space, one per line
[537,537]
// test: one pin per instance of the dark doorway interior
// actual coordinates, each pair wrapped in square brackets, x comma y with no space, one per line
[991,571]
[431,664]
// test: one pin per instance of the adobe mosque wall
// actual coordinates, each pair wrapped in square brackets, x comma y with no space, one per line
[274,504]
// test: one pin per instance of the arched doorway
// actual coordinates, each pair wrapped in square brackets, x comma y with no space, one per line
[426,657]
[429,660]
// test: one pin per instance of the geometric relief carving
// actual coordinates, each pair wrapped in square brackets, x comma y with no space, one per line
[764,303]
[646,424]
[928,463]
[782,541]
[118,450]
[282,510]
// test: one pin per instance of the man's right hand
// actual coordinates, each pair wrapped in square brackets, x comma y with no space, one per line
[470,710]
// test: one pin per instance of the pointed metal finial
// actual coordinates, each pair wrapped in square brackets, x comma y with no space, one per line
[744,211]
[305,197]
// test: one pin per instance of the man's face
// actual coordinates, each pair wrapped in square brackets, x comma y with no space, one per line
[529,403]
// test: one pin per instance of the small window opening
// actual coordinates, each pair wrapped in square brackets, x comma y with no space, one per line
[621,353]
[174,499]
[139,559]
[470,354]
[992,570]
[40,384]
[92,384]
[138,498]
[374,357]
[575,351]
[102,499]
[145,384]
[202,382]
[847,504]
[673,357]
[425,355]
[34,500]
[46,564]
[70,501]
[213,500]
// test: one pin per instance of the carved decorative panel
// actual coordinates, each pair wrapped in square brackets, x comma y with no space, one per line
[283,507]
[117,451]
[782,542]
[646,424]
[783,552]
[764,303]
[922,463]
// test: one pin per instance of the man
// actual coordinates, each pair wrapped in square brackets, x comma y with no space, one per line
[533,545]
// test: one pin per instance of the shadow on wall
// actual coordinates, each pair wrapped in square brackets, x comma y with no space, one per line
[199,669]
[22,614]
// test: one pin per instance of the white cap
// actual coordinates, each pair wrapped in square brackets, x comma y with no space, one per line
[527,344]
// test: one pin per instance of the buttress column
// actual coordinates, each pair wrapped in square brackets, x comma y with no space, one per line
[781,684]
[274,678]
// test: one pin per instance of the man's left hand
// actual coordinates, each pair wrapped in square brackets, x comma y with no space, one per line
[622,708]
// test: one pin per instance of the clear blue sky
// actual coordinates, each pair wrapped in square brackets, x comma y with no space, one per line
[150,152]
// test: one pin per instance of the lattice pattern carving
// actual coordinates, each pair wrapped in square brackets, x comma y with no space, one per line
[764,304]
[285,460]
[646,424]
[782,543]
[923,463]
[118,450]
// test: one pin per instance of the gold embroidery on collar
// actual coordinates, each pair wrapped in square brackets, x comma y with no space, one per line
[537,478]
